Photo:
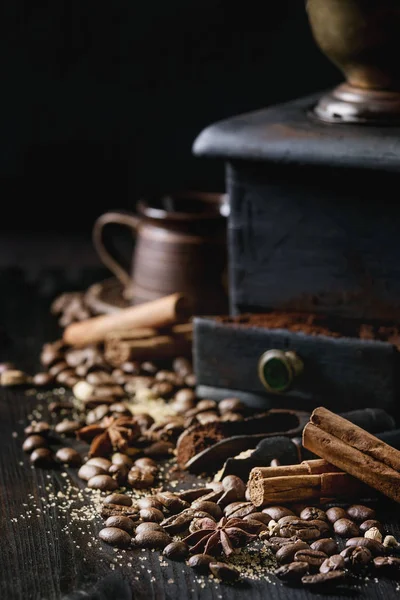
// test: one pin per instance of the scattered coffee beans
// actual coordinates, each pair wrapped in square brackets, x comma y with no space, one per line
[115,537]
[176,551]
[346,528]
[69,456]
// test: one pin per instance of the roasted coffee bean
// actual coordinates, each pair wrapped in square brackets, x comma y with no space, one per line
[258,516]
[42,379]
[121,522]
[39,427]
[224,572]
[201,563]
[231,405]
[346,528]
[6,366]
[147,463]
[324,579]
[86,471]
[140,479]
[202,406]
[97,414]
[191,380]
[285,554]
[118,458]
[335,513]
[102,482]
[121,499]
[58,407]
[143,527]
[356,558]
[63,376]
[133,368]
[287,520]
[159,449]
[193,494]
[99,461]
[172,502]
[388,565]
[67,427]
[150,502]
[230,416]
[115,537]
[119,409]
[314,558]
[360,513]
[209,507]
[180,522]
[111,510]
[234,490]
[152,539]
[75,357]
[278,512]
[293,571]
[311,513]
[201,523]
[50,355]
[34,441]
[207,417]
[376,548]
[99,378]
[327,545]
[42,457]
[69,456]
[239,510]
[333,563]
[151,515]
[119,473]
[369,524]
[323,526]
[182,366]
[302,529]
[176,551]
[276,542]
[165,375]
[14,377]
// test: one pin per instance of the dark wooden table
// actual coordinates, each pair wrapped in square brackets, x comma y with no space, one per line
[48,548]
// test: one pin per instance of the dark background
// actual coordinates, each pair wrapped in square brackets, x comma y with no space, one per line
[102,101]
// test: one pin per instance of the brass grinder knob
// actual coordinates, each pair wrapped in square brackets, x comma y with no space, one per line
[277,370]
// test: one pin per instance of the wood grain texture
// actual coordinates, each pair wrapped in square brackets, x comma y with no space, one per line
[47,555]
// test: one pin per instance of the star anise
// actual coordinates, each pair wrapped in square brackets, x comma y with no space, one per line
[226,535]
[110,434]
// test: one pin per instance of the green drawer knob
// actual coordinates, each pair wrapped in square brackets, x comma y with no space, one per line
[277,369]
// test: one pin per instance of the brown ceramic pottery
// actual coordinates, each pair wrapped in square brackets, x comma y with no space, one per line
[362,37]
[180,247]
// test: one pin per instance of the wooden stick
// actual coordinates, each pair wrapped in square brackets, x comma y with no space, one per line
[354,451]
[165,311]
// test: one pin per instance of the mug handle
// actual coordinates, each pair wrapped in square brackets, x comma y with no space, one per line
[115,218]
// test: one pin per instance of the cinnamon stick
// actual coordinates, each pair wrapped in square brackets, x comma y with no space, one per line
[355,451]
[307,467]
[165,311]
[159,347]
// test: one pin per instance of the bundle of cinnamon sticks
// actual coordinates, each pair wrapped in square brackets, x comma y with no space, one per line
[352,462]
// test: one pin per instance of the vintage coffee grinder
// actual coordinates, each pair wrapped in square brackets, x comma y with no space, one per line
[314,231]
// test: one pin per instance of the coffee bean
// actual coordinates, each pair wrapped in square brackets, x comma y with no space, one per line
[99,461]
[151,515]
[132,368]
[58,407]
[388,565]
[277,512]
[121,499]
[102,482]
[360,513]
[200,523]
[302,529]
[285,554]
[333,563]
[231,416]
[201,563]
[69,456]
[314,558]
[176,551]
[140,479]
[99,378]
[293,571]
[234,490]
[207,417]
[209,507]
[283,521]
[223,571]
[149,502]
[146,527]
[112,510]
[311,513]
[42,379]
[50,355]
[147,463]
[152,539]
[86,471]
[376,548]
[356,558]
[335,513]
[172,502]
[32,442]
[231,405]
[119,473]
[323,526]
[40,427]
[42,457]
[6,366]
[346,528]
[327,545]
[121,522]
[67,427]
[182,366]
[14,377]
[193,494]
[324,579]
[258,516]
[119,409]
[118,458]
[63,376]
[369,524]
[159,449]
[276,542]
[191,380]
[115,537]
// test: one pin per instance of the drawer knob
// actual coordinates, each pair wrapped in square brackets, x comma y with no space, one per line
[277,369]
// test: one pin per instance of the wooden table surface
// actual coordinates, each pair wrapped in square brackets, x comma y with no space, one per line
[48,532]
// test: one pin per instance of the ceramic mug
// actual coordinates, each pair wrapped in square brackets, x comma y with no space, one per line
[180,246]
